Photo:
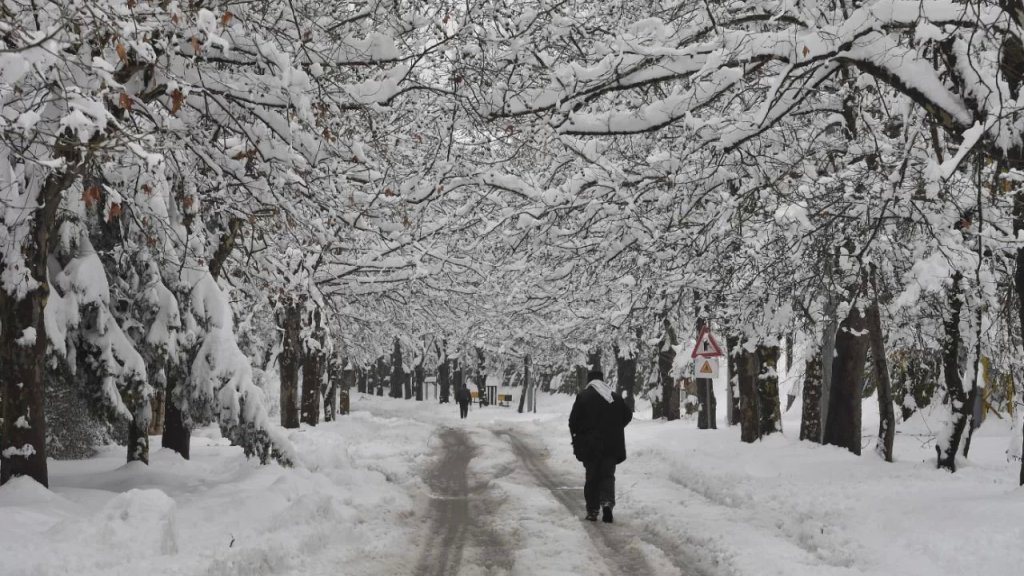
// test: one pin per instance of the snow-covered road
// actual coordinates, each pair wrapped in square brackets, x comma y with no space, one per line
[407,488]
[467,517]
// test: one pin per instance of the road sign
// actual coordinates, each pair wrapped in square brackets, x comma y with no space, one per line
[705,368]
[706,346]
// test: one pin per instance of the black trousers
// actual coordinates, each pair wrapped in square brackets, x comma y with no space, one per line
[463,409]
[599,489]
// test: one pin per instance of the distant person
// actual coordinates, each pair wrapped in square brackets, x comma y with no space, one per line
[462,397]
[597,422]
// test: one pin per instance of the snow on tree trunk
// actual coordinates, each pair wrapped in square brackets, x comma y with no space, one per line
[313,359]
[524,390]
[290,320]
[481,375]
[948,441]
[138,438]
[579,379]
[746,376]
[828,358]
[844,412]
[348,377]
[594,359]
[768,402]
[29,215]
[732,412]
[810,419]
[625,368]
[335,369]
[887,416]
[23,353]
[666,357]
[1017,161]
[156,423]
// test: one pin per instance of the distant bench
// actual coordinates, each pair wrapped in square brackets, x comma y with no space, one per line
[504,399]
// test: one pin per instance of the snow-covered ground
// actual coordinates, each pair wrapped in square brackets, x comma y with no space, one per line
[358,503]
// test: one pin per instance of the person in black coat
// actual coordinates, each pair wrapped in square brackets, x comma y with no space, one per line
[462,397]
[597,422]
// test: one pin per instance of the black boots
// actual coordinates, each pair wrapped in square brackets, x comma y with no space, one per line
[592,515]
[606,514]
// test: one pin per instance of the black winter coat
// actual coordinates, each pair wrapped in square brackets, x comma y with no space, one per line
[592,414]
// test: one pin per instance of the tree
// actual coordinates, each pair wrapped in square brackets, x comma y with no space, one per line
[290,320]
[314,356]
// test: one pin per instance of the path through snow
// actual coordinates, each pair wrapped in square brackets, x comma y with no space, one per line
[468,530]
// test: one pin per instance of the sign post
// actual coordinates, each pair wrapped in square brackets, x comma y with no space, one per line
[705,355]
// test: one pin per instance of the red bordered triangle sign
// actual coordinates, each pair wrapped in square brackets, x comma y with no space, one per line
[706,346]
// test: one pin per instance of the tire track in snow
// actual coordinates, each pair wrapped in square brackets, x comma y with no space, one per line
[449,508]
[619,546]
[459,537]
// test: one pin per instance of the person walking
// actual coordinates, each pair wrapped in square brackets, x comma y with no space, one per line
[597,424]
[462,397]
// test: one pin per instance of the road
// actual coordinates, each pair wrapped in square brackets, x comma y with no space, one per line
[465,534]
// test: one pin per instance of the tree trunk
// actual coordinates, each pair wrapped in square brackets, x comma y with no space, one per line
[666,357]
[361,381]
[810,420]
[844,412]
[23,344]
[348,378]
[313,370]
[746,375]
[333,385]
[289,361]
[732,411]
[828,354]
[580,378]
[524,389]
[769,409]
[594,359]
[177,435]
[443,374]
[1018,231]
[381,375]
[421,375]
[23,437]
[156,423]
[138,438]
[397,371]
[887,416]
[226,245]
[481,374]
[625,369]
[948,441]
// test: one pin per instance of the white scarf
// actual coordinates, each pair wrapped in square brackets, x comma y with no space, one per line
[601,389]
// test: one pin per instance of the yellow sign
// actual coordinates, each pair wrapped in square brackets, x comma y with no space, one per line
[705,368]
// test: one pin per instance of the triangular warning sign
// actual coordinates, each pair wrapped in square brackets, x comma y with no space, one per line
[705,367]
[706,346]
